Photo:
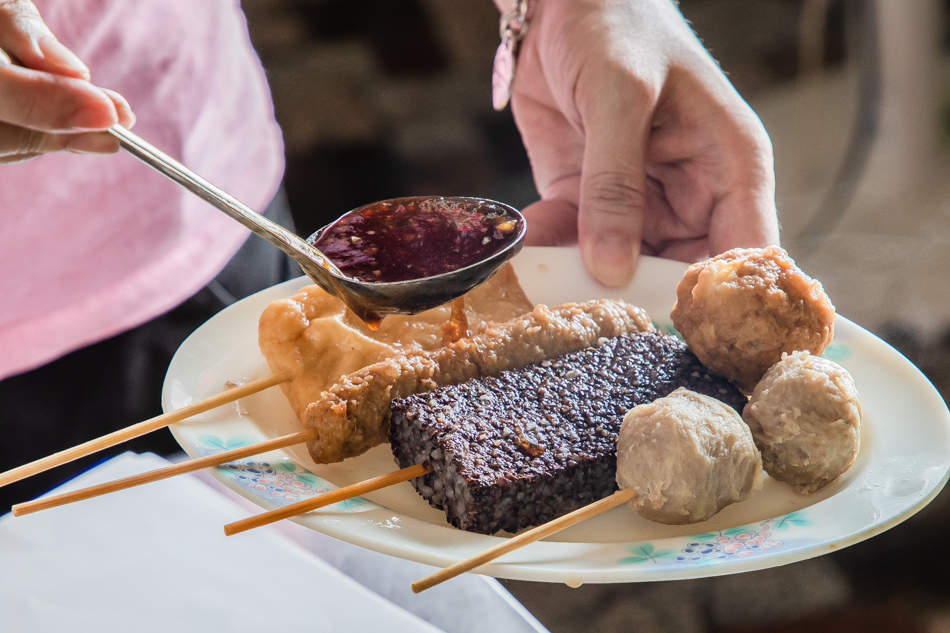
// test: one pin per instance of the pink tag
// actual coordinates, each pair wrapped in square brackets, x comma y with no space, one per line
[503,73]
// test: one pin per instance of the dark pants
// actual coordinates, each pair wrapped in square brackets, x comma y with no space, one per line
[117,382]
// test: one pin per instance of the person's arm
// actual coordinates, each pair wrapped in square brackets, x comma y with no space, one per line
[47,103]
[638,142]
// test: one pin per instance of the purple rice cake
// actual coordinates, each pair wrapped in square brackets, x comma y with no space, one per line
[529,445]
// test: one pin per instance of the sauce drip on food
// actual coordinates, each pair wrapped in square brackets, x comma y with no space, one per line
[457,326]
[412,239]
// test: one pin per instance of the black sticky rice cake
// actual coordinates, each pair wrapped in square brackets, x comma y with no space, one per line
[529,445]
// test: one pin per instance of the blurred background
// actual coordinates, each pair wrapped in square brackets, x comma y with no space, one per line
[386,98]
[391,98]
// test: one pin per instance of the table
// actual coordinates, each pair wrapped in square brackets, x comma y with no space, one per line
[155,558]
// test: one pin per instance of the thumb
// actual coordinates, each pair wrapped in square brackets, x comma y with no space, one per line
[613,177]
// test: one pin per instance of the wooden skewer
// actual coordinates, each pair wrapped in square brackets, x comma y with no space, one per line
[163,473]
[551,527]
[347,492]
[131,432]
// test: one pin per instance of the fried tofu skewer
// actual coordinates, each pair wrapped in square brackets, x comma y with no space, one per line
[353,414]
[136,430]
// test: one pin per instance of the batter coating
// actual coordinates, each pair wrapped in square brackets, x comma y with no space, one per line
[314,335]
[687,456]
[352,416]
[741,310]
[805,417]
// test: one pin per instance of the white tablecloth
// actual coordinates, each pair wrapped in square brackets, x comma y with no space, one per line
[155,558]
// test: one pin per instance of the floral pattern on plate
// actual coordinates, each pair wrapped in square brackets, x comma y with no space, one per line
[280,483]
[837,352]
[714,547]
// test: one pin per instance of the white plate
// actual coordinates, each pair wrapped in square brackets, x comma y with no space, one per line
[903,464]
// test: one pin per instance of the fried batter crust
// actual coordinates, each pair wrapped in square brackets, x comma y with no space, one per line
[316,337]
[352,416]
[739,311]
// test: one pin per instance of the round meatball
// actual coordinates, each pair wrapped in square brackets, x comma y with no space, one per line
[739,312]
[687,456]
[805,417]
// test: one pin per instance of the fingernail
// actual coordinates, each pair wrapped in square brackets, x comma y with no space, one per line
[90,117]
[125,111]
[612,260]
[61,56]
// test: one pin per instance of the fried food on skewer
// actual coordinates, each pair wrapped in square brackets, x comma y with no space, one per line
[314,335]
[518,449]
[352,416]
[307,338]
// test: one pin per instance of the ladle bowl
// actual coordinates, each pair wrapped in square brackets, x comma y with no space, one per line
[374,300]
[370,300]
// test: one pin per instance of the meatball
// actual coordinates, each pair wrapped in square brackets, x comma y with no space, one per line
[687,456]
[805,417]
[739,312]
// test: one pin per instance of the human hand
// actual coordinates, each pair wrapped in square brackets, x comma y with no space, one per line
[638,142]
[47,103]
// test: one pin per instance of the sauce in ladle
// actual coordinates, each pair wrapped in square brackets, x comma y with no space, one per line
[411,254]
[414,238]
[398,256]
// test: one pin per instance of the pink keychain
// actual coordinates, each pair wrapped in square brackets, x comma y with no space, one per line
[514,25]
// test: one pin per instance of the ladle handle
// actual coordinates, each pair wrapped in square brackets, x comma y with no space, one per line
[309,257]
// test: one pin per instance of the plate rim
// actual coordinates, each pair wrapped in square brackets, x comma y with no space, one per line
[535,561]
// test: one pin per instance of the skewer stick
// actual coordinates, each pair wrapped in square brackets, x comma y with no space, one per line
[551,527]
[341,494]
[163,473]
[131,432]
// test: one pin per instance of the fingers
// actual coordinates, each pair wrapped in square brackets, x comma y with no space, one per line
[122,108]
[735,174]
[41,113]
[25,37]
[616,109]
[53,103]
[745,217]
[46,101]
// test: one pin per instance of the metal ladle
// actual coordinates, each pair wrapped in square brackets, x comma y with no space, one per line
[371,301]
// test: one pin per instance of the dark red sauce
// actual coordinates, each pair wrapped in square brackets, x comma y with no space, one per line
[412,239]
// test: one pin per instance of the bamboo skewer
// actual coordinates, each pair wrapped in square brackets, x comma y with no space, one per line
[551,527]
[163,473]
[341,494]
[136,430]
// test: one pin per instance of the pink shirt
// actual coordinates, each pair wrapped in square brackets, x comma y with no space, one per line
[93,245]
